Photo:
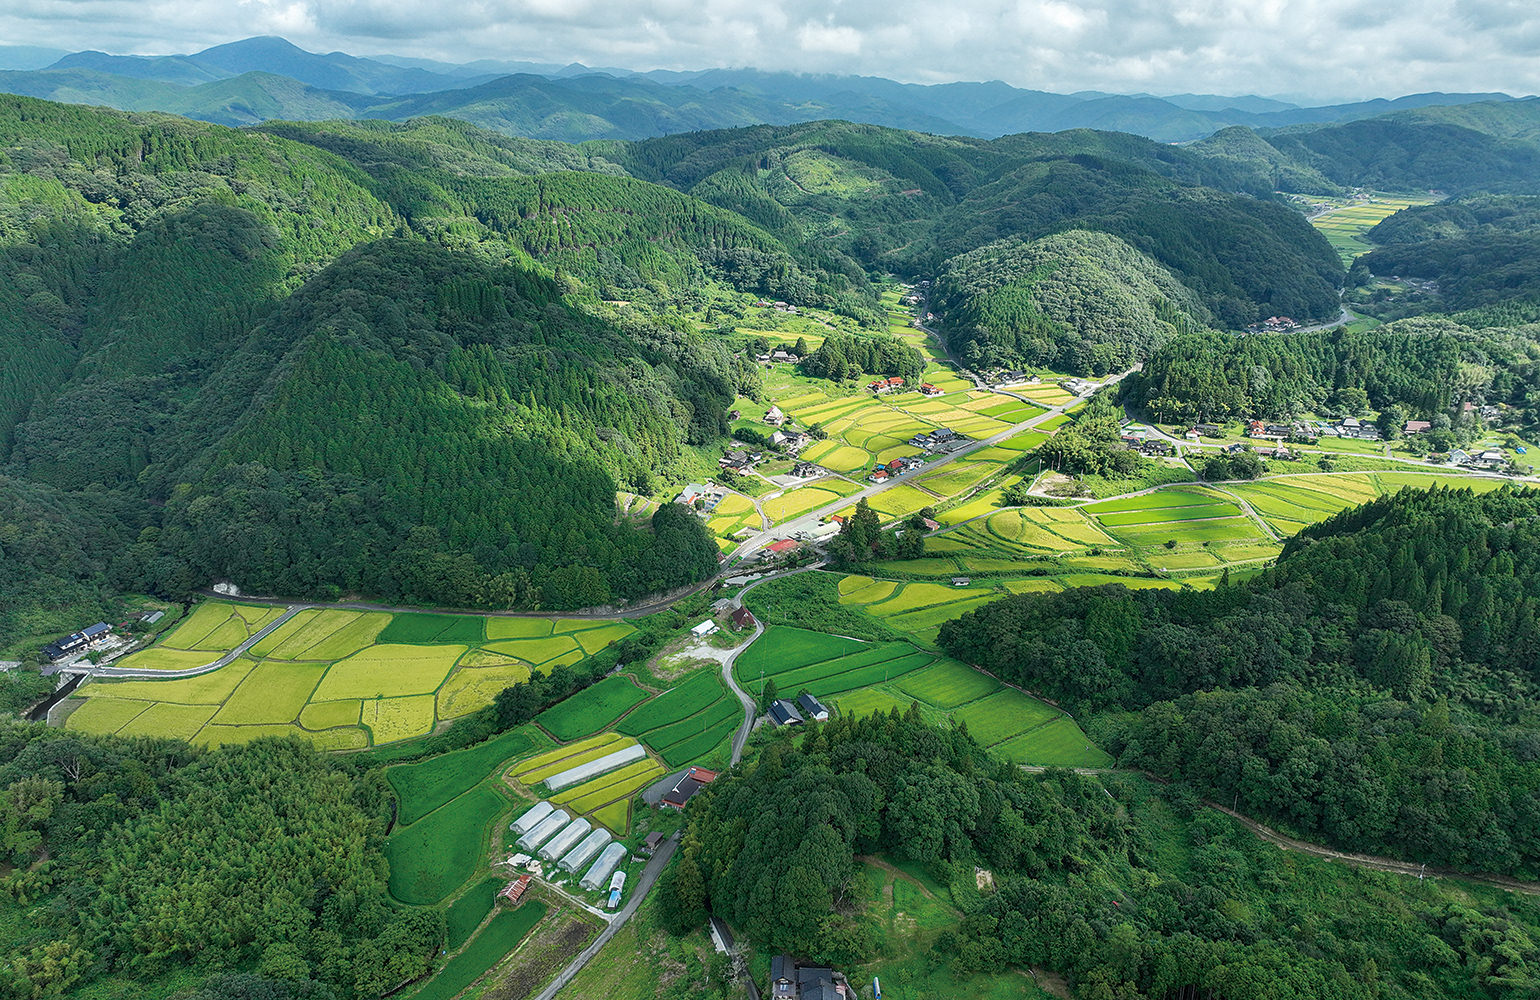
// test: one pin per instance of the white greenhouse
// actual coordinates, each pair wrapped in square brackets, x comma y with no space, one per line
[594,768]
[601,869]
[532,818]
[584,852]
[544,830]
[566,840]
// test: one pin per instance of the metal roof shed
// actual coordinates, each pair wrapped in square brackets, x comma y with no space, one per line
[584,852]
[564,841]
[601,869]
[544,830]
[532,817]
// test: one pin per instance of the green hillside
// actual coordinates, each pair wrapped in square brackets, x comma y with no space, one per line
[907,203]
[1078,301]
[194,340]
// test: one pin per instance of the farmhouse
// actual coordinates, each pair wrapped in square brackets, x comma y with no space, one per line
[652,843]
[742,618]
[929,390]
[782,547]
[806,470]
[784,713]
[812,708]
[775,417]
[77,642]
[782,356]
[1208,430]
[789,982]
[1416,427]
[689,783]
[879,475]
[1489,459]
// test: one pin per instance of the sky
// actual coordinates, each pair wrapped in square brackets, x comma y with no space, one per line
[1320,49]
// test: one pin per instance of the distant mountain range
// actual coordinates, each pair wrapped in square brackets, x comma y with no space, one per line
[259,79]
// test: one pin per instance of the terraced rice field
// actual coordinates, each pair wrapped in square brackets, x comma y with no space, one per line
[733,513]
[884,676]
[591,709]
[1289,503]
[1344,227]
[802,499]
[339,678]
[213,628]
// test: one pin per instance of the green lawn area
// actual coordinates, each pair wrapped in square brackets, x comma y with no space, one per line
[1058,742]
[783,647]
[466,913]
[418,627]
[684,699]
[1003,715]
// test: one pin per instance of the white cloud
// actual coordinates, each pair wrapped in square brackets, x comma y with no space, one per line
[1326,48]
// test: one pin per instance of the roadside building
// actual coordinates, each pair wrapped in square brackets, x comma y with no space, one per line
[514,891]
[784,713]
[812,708]
[77,642]
[689,783]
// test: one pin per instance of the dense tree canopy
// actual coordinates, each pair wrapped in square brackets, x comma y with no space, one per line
[159,855]
[1124,894]
[1077,302]
[1425,366]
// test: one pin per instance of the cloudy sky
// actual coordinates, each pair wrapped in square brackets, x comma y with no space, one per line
[1326,49]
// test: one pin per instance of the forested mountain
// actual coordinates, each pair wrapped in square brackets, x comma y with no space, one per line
[1480,250]
[905,204]
[265,858]
[194,339]
[1077,302]
[1420,368]
[1125,892]
[1465,147]
[1399,611]
[575,103]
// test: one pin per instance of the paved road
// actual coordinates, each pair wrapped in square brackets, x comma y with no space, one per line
[649,876]
[228,658]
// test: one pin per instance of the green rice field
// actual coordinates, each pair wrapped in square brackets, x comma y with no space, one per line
[591,709]
[341,679]
[496,940]
[884,676]
[1345,227]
